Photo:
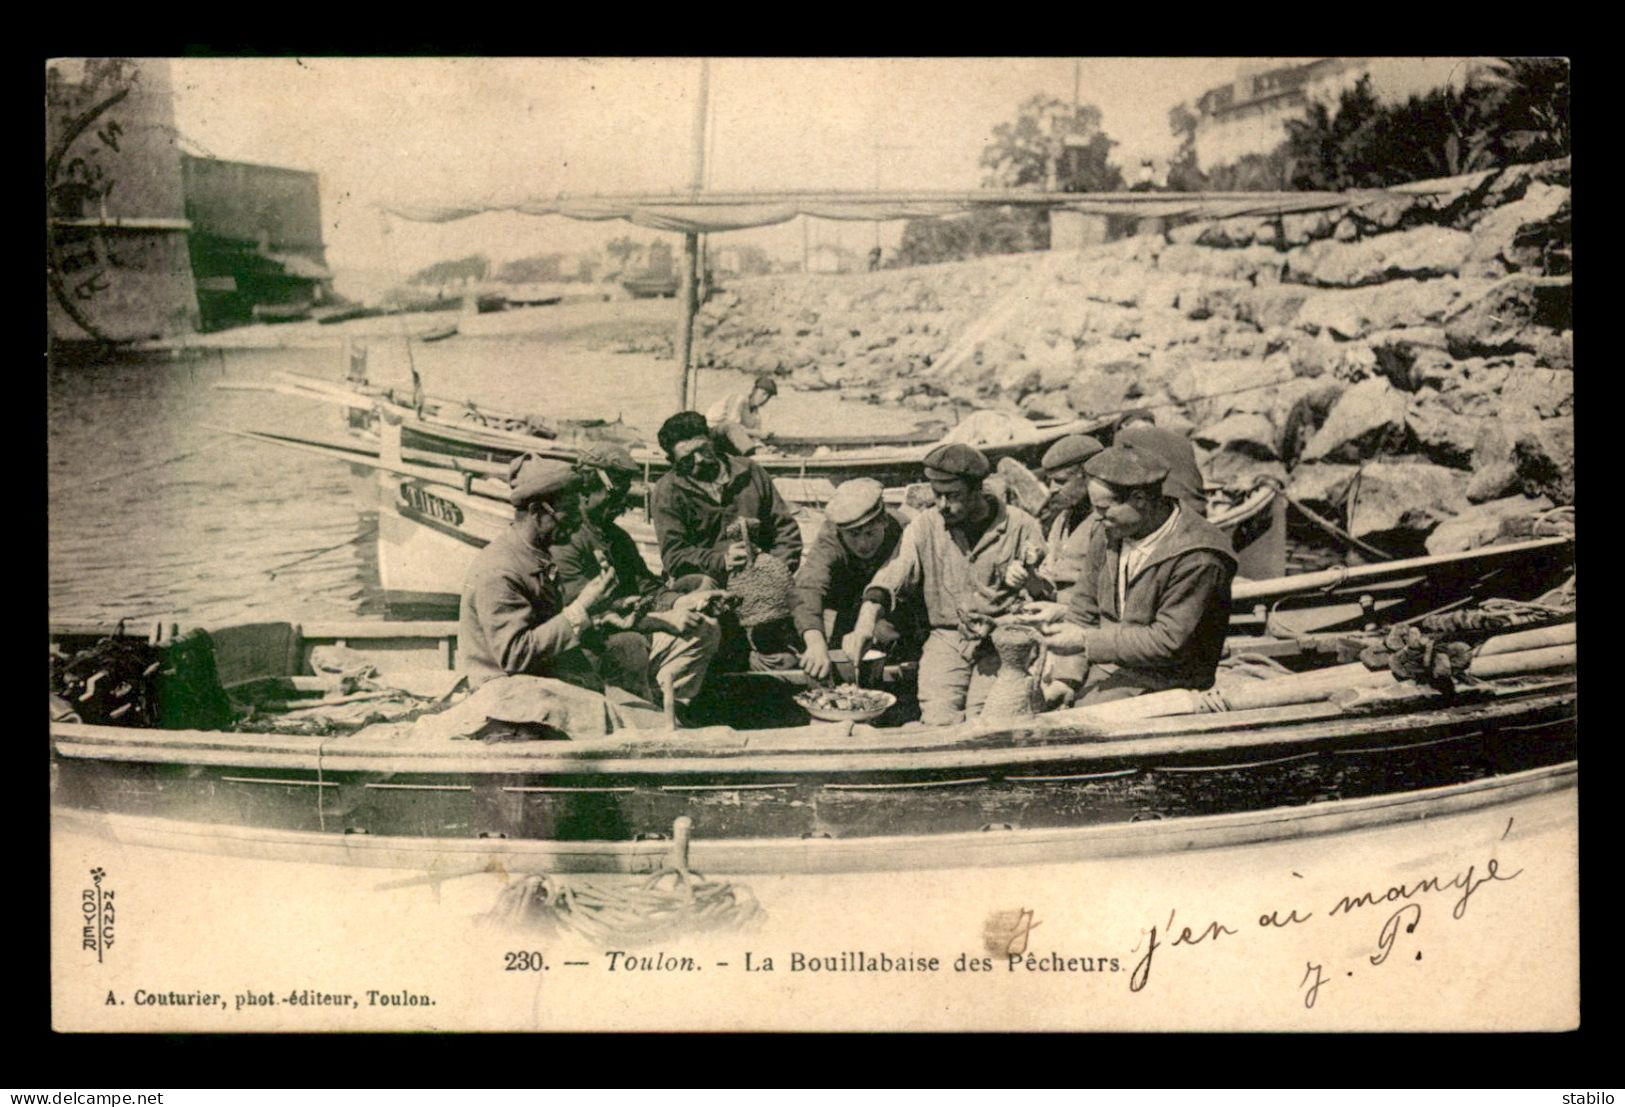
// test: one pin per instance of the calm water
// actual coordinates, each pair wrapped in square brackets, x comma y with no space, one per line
[154,512]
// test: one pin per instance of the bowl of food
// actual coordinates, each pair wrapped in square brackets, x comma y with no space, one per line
[845,703]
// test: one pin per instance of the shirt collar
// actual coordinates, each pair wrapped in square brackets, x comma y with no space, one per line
[1149,542]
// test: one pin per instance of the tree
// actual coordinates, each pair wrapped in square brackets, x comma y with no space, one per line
[1184,175]
[986,230]
[1049,136]
[622,249]
[532,270]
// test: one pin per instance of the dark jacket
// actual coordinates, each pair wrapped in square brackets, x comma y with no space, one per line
[833,578]
[578,563]
[512,620]
[1176,609]
[691,524]
[1184,481]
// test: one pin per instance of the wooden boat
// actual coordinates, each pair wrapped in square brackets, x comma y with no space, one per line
[1071,785]
[441,429]
[651,285]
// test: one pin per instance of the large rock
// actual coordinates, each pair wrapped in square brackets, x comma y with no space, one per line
[1238,469]
[1298,409]
[1495,473]
[1248,433]
[1389,211]
[1322,488]
[1403,501]
[1096,391]
[1307,226]
[1399,353]
[1239,231]
[1520,235]
[1277,305]
[1416,253]
[1356,312]
[1537,393]
[1509,315]
[1442,435]
[1368,419]
[1544,455]
[1214,389]
[1480,524]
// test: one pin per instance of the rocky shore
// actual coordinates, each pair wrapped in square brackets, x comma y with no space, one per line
[1404,365]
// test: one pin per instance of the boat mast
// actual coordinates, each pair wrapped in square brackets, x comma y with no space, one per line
[686,389]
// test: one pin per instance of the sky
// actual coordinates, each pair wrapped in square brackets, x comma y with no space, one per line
[444,130]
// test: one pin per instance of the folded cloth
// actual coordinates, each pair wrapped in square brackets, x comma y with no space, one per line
[542,705]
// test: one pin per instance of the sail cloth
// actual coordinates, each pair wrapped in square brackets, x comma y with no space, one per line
[710,212]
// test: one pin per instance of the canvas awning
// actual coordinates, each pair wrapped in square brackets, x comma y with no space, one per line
[710,212]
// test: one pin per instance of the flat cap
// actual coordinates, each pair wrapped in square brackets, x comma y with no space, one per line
[956,460]
[609,456]
[1128,466]
[1071,450]
[767,384]
[537,478]
[855,502]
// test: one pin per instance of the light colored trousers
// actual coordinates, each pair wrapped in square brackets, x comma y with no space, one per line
[683,659]
[951,687]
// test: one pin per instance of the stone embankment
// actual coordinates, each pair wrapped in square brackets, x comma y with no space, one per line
[1411,354]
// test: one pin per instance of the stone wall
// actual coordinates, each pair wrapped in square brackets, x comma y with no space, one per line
[1415,351]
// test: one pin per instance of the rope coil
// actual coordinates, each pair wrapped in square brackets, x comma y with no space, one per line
[672,902]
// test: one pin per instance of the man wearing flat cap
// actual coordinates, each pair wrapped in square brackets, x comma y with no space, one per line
[1072,521]
[1153,605]
[1184,481]
[651,637]
[515,619]
[966,547]
[697,502]
[859,536]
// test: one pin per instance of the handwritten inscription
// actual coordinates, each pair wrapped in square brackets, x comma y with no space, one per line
[1401,922]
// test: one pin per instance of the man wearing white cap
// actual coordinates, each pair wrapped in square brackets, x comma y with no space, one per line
[858,537]
[515,619]
[968,544]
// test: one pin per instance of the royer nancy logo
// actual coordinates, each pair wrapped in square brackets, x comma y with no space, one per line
[96,903]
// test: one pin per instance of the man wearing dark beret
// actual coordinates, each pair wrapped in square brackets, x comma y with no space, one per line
[695,504]
[651,637]
[1184,481]
[1153,605]
[1071,519]
[967,545]
[859,536]
[514,618]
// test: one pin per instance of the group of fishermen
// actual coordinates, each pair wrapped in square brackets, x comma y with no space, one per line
[1129,586]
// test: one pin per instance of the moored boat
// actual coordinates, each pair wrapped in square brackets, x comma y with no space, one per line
[1312,752]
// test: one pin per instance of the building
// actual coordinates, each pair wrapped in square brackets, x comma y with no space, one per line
[1249,114]
[256,241]
[117,267]
[146,243]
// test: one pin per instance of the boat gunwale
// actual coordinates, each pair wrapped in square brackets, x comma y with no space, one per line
[785,856]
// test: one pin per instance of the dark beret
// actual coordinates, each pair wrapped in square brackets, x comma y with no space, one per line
[955,461]
[1127,466]
[1071,450]
[680,428]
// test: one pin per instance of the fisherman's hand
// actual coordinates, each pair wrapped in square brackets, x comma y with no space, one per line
[736,557]
[617,620]
[598,592]
[1015,574]
[680,620]
[815,660]
[1064,638]
[1040,613]
[856,643]
[700,600]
